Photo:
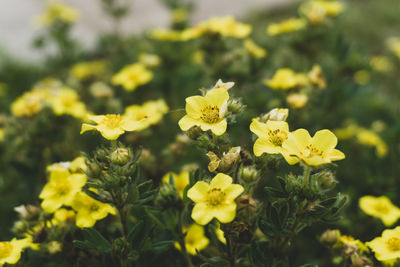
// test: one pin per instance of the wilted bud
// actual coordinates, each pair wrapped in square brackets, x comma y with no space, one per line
[229,159]
[235,106]
[248,174]
[246,206]
[330,237]
[27,212]
[316,77]
[194,132]
[276,114]
[20,227]
[214,161]
[101,90]
[120,156]
[360,261]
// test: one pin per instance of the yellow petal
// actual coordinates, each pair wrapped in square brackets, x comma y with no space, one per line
[289,159]
[87,127]
[194,105]
[198,191]
[281,125]
[219,128]
[233,191]
[110,133]
[324,140]
[259,128]
[96,118]
[336,155]
[84,220]
[316,161]
[226,213]
[221,181]
[50,204]
[296,141]
[187,122]
[201,214]
[217,97]
[131,125]
[261,145]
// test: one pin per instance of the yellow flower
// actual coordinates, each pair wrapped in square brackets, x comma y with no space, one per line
[313,151]
[180,180]
[149,60]
[346,133]
[316,10]
[89,210]
[215,200]
[297,100]
[54,246]
[179,15]
[58,11]
[111,126]
[78,165]
[285,79]
[149,113]
[165,35]
[380,207]
[66,101]
[380,63]
[132,76]
[276,114]
[2,134]
[221,84]
[195,239]
[393,43]
[349,241]
[208,112]
[289,25]
[316,77]
[362,77]
[271,136]
[61,189]
[10,251]
[29,104]
[253,49]
[370,138]
[226,26]
[387,246]
[63,215]
[85,70]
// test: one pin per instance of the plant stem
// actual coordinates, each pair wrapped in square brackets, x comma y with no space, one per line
[230,249]
[307,171]
[182,241]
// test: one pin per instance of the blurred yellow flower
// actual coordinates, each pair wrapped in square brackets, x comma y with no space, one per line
[313,151]
[316,77]
[57,11]
[149,113]
[285,79]
[66,101]
[215,200]
[381,63]
[179,15]
[253,49]
[63,215]
[165,35]
[78,165]
[195,239]
[10,251]
[208,112]
[349,241]
[362,77]
[297,100]
[54,247]
[180,180]
[132,76]
[61,189]
[88,69]
[271,135]
[317,10]
[225,26]
[149,60]
[370,138]
[111,126]
[387,246]
[289,25]
[393,43]
[29,104]
[2,134]
[89,210]
[380,207]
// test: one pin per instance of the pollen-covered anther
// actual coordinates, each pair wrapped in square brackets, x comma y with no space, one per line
[210,114]
[215,197]
[393,244]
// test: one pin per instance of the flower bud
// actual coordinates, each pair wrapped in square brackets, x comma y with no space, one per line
[276,114]
[169,197]
[120,247]
[293,184]
[235,106]
[229,159]
[20,227]
[27,212]
[214,161]
[194,132]
[120,156]
[54,246]
[360,261]
[325,180]
[248,174]
[330,237]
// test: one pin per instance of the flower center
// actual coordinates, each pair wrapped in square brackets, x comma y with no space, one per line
[210,114]
[5,249]
[63,189]
[393,244]
[215,197]
[311,151]
[112,120]
[382,208]
[94,207]
[277,137]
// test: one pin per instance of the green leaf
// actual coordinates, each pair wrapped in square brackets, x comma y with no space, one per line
[162,245]
[96,239]
[135,231]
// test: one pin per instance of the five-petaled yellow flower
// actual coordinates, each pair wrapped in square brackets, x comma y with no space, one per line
[313,151]
[61,189]
[132,76]
[111,126]
[149,113]
[271,135]
[289,25]
[380,207]
[215,200]
[89,210]
[285,79]
[208,112]
[181,180]
[387,246]
[195,239]
[10,251]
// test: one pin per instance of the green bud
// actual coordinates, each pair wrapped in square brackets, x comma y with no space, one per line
[326,180]
[235,106]
[248,174]
[93,170]
[330,237]
[293,184]
[120,156]
[169,197]
[120,247]
[20,227]
[194,132]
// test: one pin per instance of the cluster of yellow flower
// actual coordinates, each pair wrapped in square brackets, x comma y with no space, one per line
[224,26]
[285,79]
[64,189]
[313,12]
[57,11]
[10,251]
[88,69]
[364,136]
[393,43]
[49,93]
